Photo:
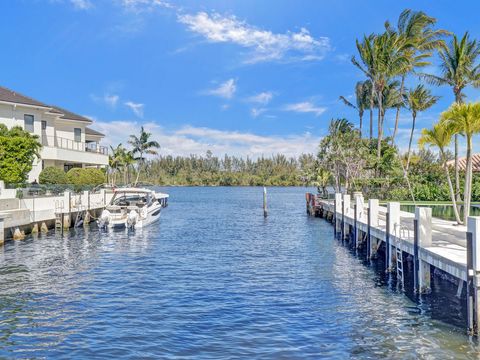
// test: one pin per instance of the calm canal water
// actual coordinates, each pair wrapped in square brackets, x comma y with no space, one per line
[213,279]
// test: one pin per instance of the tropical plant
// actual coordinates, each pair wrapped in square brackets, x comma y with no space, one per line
[382,58]
[362,100]
[464,119]
[440,136]
[141,146]
[18,150]
[417,100]
[115,162]
[52,175]
[416,29]
[459,69]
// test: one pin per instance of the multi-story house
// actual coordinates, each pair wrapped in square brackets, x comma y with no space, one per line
[67,141]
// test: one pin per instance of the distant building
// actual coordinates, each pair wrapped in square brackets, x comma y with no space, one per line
[67,140]
[462,163]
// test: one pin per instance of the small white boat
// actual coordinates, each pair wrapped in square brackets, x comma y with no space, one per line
[133,208]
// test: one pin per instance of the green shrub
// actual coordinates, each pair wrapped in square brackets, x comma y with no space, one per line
[52,176]
[93,176]
[85,177]
[74,176]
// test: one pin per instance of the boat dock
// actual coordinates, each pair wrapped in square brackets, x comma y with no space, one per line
[31,214]
[397,235]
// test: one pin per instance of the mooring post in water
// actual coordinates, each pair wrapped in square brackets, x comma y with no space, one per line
[473,274]
[423,217]
[265,212]
[393,222]
[359,205]
[337,211]
[415,256]
[2,230]
[355,213]
[345,212]
[372,222]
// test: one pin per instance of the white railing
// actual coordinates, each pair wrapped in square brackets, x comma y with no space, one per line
[68,144]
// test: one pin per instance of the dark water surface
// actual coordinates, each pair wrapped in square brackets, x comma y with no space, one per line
[213,279]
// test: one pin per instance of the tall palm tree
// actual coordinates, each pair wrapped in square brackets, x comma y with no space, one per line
[115,161]
[142,145]
[128,160]
[459,69]
[417,100]
[416,28]
[362,93]
[382,58]
[441,137]
[465,120]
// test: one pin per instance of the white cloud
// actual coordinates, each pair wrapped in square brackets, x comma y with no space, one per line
[110,100]
[136,108]
[145,5]
[197,140]
[256,112]
[265,45]
[225,90]
[305,107]
[82,4]
[261,98]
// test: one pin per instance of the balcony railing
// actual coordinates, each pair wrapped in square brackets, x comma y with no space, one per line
[68,144]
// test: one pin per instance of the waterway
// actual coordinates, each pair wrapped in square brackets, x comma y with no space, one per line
[214,279]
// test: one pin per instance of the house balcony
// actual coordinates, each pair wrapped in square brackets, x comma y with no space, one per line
[67,150]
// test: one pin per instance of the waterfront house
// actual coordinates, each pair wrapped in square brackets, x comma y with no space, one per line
[67,139]
[462,163]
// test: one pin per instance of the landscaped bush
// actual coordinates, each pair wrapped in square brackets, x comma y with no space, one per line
[52,176]
[92,176]
[88,176]
[74,176]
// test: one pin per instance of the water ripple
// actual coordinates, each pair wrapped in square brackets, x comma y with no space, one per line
[213,279]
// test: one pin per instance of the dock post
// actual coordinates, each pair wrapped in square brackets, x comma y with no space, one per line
[372,222]
[393,220]
[2,230]
[473,274]
[345,212]
[359,205]
[355,231]
[265,211]
[423,217]
[337,210]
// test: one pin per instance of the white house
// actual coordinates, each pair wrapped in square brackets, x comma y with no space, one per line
[66,138]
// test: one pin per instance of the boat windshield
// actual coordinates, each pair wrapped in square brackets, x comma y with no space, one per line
[131,199]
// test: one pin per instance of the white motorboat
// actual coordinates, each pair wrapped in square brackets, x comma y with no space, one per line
[133,208]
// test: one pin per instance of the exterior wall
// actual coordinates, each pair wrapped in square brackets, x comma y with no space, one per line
[64,129]
[58,139]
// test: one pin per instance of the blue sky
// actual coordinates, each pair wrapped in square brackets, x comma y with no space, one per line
[245,77]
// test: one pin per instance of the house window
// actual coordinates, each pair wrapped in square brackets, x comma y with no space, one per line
[44,125]
[28,119]
[77,134]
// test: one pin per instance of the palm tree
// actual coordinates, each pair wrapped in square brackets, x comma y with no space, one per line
[362,93]
[115,161]
[142,145]
[459,70]
[127,161]
[417,100]
[465,120]
[416,28]
[382,58]
[441,136]
[321,178]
